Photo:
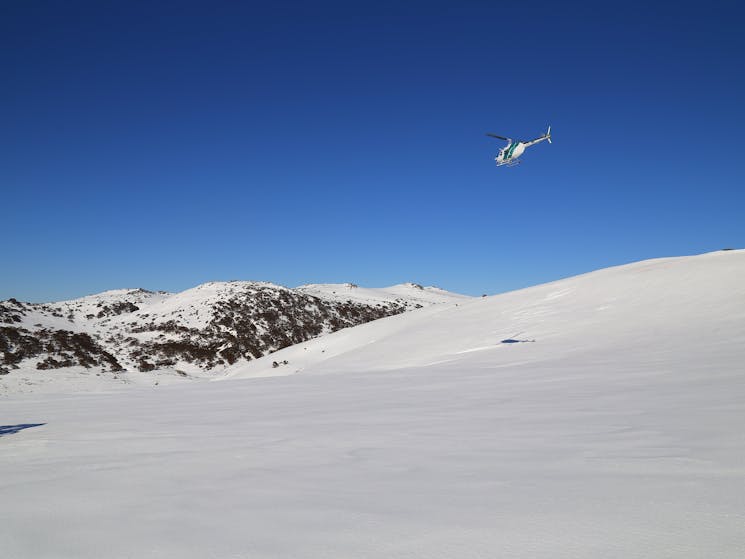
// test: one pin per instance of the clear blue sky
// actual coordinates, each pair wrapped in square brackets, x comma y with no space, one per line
[163,144]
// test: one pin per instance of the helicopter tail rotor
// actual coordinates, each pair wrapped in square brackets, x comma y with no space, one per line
[548,134]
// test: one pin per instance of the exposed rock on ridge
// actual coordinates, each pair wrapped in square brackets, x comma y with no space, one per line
[200,330]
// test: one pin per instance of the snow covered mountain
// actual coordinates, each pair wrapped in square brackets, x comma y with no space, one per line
[595,416]
[645,308]
[196,332]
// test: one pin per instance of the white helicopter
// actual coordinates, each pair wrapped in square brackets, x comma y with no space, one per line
[509,154]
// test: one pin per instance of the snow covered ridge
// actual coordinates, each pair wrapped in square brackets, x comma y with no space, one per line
[641,308]
[200,330]
[414,293]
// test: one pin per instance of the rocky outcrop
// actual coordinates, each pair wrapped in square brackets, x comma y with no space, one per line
[210,327]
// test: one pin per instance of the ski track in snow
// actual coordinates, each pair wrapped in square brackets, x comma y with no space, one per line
[617,433]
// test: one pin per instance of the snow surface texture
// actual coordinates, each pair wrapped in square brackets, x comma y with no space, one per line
[597,416]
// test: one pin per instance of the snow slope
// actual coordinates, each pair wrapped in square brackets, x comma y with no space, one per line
[650,308]
[616,433]
[413,293]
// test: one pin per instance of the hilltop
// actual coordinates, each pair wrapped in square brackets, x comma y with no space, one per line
[193,334]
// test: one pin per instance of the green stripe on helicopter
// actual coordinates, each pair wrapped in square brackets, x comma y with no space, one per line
[510,150]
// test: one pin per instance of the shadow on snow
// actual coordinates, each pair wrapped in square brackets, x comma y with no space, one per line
[12,429]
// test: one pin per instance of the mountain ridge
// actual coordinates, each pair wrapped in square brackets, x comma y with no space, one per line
[195,332]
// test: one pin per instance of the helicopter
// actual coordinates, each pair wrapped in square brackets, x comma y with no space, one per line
[509,154]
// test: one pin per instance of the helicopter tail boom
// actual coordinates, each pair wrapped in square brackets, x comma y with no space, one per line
[546,136]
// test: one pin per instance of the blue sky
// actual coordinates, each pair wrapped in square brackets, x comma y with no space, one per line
[164,144]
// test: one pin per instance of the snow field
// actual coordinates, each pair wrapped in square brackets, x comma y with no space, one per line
[616,433]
